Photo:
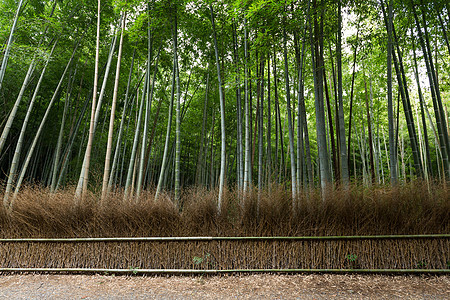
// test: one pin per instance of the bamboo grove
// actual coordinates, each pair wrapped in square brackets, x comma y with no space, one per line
[163,95]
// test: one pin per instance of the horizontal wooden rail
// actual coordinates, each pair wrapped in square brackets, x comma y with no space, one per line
[213,238]
[199,271]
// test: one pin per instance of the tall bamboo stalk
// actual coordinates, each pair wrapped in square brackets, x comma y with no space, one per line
[222,118]
[17,153]
[392,147]
[81,190]
[8,45]
[290,126]
[113,111]
[41,126]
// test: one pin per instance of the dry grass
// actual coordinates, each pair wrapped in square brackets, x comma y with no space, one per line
[411,209]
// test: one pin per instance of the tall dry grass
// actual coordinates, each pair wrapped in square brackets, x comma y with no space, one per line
[411,209]
[408,209]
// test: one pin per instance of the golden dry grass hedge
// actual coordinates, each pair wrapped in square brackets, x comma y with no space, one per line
[408,209]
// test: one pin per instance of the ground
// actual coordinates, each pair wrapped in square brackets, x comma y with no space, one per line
[224,287]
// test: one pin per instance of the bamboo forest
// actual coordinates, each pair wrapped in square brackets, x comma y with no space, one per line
[228,117]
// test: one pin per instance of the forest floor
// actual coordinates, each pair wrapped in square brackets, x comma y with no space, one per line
[224,287]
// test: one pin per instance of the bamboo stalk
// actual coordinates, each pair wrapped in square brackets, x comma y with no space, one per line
[232,238]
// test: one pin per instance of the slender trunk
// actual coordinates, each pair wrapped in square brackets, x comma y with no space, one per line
[83,179]
[261,132]
[201,157]
[301,172]
[444,32]
[440,123]
[351,104]
[255,130]
[362,154]
[211,172]
[60,136]
[27,79]
[240,148]
[392,146]
[122,120]
[177,118]
[401,78]
[369,129]
[169,123]
[113,111]
[444,120]
[68,150]
[44,119]
[344,174]
[269,130]
[380,156]
[290,126]
[8,45]
[17,153]
[330,125]
[247,164]
[131,165]
[422,104]
[317,62]
[278,122]
[302,134]
[222,118]
[81,190]
[148,107]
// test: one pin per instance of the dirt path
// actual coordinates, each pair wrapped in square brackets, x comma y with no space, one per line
[226,287]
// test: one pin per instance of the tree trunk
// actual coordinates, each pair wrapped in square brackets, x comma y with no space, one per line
[177,118]
[201,156]
[369,129]
[239,147]
[269,130]
[27,79]
[222,118]
[113,111]
[317,62]
[15,162]
[290,126]
[68,150]
[260,130]
[57,156]
[344,174]
[392,146]
[422,104]
[120,132]
[169,125]
[247,164]
[146,146]
[131,165]
[444,120]
[81,190]
[39,131]
[8,45]
[330,125]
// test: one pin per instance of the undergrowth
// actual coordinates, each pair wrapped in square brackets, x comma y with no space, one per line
[409,209]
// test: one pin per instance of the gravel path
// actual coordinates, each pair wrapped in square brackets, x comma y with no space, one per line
[224,287]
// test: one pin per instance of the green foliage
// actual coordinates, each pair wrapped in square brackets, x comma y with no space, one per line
[73,22]
[351,257]
[205,261]
[421,264]
[352,260]
[134,270]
